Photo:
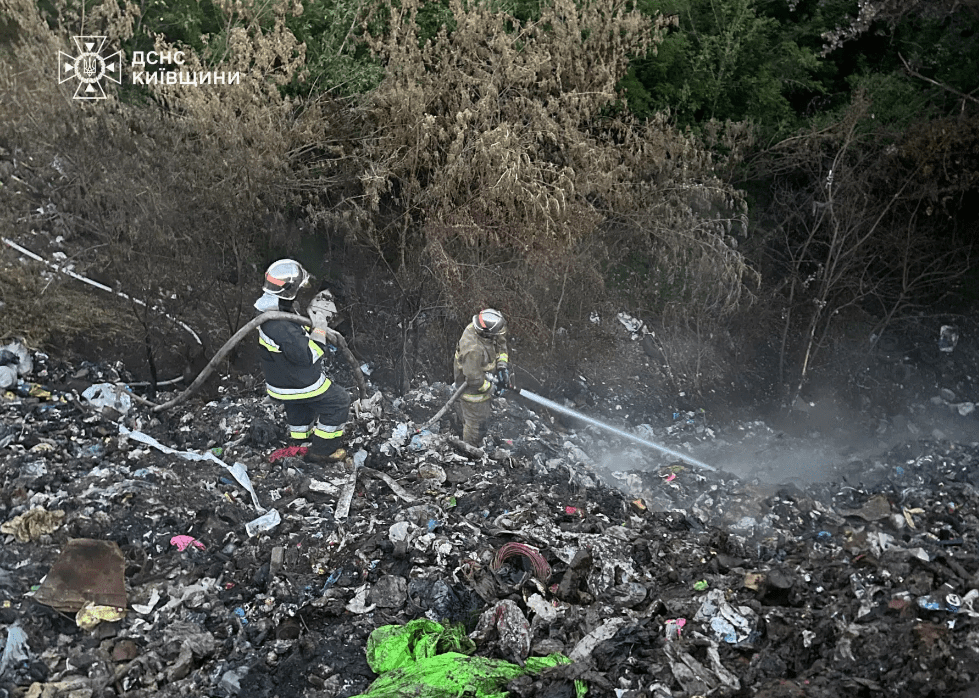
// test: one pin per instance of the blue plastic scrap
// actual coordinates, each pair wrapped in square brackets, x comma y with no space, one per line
[332,579]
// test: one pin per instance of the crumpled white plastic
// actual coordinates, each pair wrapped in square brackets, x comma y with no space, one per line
[102,395]
[16,649]
[636,327]
[238,470]
[358,604]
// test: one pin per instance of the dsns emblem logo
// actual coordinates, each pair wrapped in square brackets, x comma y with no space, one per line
[89,67]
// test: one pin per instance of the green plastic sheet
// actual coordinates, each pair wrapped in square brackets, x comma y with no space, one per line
[424,659]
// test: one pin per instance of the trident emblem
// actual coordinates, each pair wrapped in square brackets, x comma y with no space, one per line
[88,62]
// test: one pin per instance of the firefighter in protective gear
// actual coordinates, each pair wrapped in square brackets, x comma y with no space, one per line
[293,366]
[482,363]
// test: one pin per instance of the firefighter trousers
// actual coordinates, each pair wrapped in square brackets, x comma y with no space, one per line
[320,419]
[474,416]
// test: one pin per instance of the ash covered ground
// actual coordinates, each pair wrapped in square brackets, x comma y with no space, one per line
[807,562]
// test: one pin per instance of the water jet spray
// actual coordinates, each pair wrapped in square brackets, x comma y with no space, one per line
[550,404]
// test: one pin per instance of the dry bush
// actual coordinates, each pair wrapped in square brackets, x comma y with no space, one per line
[38,117]
[854,215]
[491,157]
[178,202]
[504,155]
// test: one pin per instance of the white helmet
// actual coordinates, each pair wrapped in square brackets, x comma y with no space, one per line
[489,323]
[284,278]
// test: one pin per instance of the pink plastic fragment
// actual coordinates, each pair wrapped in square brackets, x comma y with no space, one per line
[183,541]
[671,477]
[570,510]
[673,628]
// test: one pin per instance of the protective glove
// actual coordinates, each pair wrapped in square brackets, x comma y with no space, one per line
[504,381]
[321,312]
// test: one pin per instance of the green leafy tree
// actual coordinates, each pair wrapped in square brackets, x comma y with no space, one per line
[727,60]
[336,59]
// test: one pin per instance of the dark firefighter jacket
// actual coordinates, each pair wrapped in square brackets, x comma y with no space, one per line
[291,361]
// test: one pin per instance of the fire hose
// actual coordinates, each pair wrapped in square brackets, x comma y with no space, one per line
[438,415]
[445,407]
[334,337]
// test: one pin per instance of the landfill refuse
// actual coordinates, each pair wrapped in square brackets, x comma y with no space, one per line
[33,524]
[91,614]
[656,577]
[265,522]
[948,337]
[635,326]
[8,375]
[238,471]
[15,648]
[17,357]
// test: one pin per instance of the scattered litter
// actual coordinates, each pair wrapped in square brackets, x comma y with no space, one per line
[147,608]
[90,615]
[730,625]
[238,471]
[265,522]
[358,604]
[948,336]
[533,548]
[288,452]
[674,627]
[603,632]
[16,357]
[635,326]
[506,624]
[425,658]
[537,562]
[15,648]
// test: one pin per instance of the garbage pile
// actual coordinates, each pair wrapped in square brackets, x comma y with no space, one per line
[193,552]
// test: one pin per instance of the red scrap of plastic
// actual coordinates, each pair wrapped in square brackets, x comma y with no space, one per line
[570,510]
[288,452]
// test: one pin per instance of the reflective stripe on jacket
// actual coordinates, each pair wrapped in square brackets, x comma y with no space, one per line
[291,361]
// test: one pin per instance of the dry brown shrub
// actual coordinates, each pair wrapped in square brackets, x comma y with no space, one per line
[178,202]
[504,157]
